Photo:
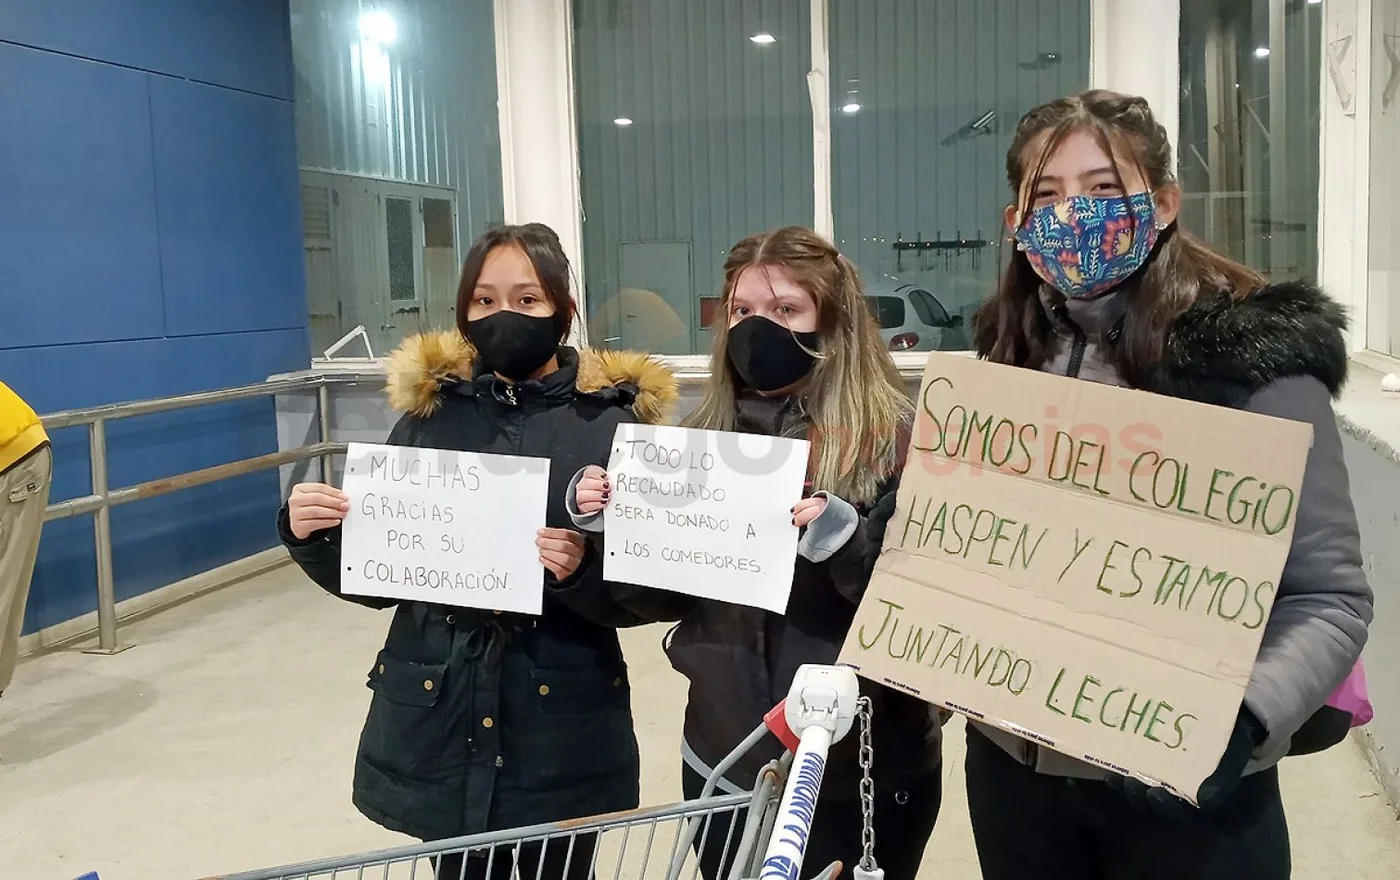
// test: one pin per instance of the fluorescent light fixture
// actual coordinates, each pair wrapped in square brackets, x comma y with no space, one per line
[1261,52]
[763,39]
[1314,2]
[622,121]
[852,107]
[378,26]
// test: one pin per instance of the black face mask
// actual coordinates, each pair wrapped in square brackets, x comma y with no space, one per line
[769,356]
[513,344]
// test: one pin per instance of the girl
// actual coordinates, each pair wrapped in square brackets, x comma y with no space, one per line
[800,356]
[1091,175]
[482,720]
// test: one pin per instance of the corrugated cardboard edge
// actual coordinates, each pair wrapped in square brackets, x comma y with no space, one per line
[1024,733]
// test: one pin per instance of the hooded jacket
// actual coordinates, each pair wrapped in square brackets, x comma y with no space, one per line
[483,720]
[1278,352]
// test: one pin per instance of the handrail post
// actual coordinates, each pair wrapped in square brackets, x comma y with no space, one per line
[102,543]
[323,406]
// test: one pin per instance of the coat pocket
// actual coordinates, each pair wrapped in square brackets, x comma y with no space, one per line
[571,691]
[406,730]
[574,731]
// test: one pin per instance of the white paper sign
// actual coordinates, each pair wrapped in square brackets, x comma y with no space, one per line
[451,528]
[704,513]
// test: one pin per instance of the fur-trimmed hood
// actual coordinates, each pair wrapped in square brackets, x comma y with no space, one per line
[420,368]
[1223,350]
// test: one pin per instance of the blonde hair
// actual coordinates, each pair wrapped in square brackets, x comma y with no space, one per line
[854,397]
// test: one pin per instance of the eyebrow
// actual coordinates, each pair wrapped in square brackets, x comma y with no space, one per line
[1093,172]
[514,285]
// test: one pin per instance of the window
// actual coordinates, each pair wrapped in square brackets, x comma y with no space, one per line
[694,130]
[888,311]
[930,310]
[396,119]
[1248,155]
[924,100]
[403,280]
[1383,275]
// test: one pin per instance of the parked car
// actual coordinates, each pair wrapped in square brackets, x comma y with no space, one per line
[910,318]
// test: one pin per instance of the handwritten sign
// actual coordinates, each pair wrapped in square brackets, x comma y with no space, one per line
[451,528]
[1088,567]
[704,513]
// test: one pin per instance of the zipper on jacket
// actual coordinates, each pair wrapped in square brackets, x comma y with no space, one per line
[1081,342]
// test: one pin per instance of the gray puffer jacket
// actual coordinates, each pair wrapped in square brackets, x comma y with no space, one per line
[1279,352]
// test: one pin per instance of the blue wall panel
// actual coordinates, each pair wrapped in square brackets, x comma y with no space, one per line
[77,177]
[228,191]
[163,539]
[151,247]
[240,44]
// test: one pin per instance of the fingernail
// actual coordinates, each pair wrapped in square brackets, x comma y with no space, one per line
[794,520]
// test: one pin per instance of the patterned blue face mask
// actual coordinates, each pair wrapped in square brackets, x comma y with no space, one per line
[1085,246]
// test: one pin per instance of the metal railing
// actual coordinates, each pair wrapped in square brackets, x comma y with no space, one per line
[102,497]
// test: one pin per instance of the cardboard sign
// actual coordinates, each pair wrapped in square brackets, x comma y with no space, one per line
[704,513]
[451,528]
[1086,566]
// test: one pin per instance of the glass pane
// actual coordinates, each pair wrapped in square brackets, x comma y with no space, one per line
[1383,279]
[692,135]
[925,97]
[1248,153]
[888,310]
[437,223]
[399,224]
[403,93]
[930,310]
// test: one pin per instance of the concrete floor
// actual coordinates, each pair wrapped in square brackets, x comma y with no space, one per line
[223,741]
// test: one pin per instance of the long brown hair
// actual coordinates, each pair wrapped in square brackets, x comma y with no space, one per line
[854,397]
[1012,328]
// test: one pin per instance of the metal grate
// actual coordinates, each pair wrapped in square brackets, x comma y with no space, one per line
[398,217]
[316,212]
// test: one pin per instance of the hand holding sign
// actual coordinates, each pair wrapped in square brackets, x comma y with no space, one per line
[806,510]
[561,551]
[315,507]
[593,490]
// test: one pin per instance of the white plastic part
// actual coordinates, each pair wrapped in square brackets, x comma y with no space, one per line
[861,874]
[1391,382]
[821,708]
[825,697]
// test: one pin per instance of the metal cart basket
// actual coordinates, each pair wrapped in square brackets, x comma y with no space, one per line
[764,832]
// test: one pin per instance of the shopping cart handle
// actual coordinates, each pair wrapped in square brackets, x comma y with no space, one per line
[776,719]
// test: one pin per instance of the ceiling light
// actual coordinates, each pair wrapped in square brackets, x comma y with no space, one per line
[1314,2]
[622,121]
[378,26]
[1261,52]
[852,107]
[763,39]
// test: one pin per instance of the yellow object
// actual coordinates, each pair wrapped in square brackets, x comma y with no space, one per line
[20,429]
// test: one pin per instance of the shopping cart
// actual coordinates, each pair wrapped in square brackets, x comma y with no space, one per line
[764,832]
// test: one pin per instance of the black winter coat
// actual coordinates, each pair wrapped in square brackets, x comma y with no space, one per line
[482,720]
[741,660]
